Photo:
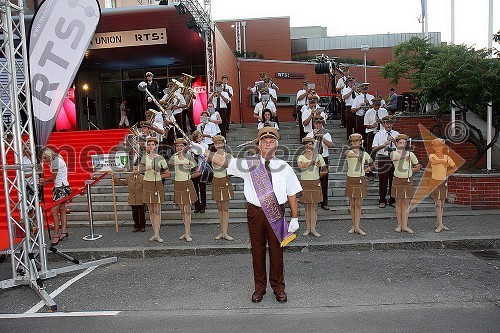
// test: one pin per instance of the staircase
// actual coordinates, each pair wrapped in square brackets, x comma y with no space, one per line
[76,148]
[289,149]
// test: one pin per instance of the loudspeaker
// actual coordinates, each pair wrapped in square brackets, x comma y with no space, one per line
[323,68]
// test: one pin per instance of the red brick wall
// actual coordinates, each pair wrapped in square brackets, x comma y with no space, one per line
[477,191]
[269,36]
[409,124]
[227,63]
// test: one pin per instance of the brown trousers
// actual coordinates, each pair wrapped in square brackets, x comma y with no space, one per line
[324,185]
[350,121]
[260,232]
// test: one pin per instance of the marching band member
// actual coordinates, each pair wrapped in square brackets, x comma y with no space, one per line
[383,144]
[227,88]
[442,166]
[153,194]
[301,102]
[360,105]
[312,167]
[269,183]
[309,112]
[348,95]
[207,128]
[405,165]
[154,88]
[178,105]
[356,181]
[264,103]
[339,87]
[322,141]
[219,99]
[200,178]
[267,115]
[184,192]
[372,121]
[222,189]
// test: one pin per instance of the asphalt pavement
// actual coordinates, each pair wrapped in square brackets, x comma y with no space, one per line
[468,230]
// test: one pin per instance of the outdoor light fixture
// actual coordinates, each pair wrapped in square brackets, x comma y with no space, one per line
[180,9]
[365,48]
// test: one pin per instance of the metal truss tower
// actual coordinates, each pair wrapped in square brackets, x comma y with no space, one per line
[27,248]
[202,17]
[24,219]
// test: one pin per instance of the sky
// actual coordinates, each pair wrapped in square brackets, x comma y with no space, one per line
[366,17]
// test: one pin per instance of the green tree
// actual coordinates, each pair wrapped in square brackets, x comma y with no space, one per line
[447,76]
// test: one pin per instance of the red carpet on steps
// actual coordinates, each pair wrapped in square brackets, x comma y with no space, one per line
[76,148]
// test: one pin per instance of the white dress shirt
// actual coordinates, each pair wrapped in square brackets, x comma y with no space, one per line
[371,117]
[326,136]
[259,108]
[380,138]
[285,181]
[306,112]
[209,129]
[348,101]
[359,100]
[223,104]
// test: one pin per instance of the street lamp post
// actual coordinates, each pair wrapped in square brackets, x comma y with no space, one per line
[364,48]
[89,123]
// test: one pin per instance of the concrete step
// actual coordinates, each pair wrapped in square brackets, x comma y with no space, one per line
[239,215]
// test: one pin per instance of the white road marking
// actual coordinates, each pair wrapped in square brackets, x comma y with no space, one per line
[59,290]
[58,314]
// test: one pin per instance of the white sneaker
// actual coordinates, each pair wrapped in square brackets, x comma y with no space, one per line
[398,229]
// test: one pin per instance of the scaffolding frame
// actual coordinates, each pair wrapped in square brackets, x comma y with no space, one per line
[203,19]
[27,249]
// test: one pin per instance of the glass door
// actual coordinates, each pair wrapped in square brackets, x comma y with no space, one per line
[110,108]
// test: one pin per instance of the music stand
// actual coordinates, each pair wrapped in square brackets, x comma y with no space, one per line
[89,123]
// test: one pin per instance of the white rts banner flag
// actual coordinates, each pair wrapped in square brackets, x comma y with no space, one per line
[60,34]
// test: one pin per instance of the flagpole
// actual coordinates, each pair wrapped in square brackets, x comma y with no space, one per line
[453,21]
[489,110]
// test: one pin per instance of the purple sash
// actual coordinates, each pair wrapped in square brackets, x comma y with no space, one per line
[268,201]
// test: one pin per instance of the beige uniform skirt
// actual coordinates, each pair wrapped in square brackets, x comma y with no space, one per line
[356,187]
[222,189]
[440,191]
[152,192]
[311,191]
[402,188]
[184,192]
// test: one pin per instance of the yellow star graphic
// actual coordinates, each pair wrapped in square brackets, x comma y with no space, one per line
[424,188]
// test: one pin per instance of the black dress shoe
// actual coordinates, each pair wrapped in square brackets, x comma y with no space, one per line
[197,210]
[202,210]
[281,296]
[257,296]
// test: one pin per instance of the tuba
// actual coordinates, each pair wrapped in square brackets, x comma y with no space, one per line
[187,91]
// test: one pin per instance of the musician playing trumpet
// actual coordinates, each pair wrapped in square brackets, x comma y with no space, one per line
[322,141]
[265,102]
[312,167]
[360,105]
[310,111]
[356,182]
[219,98]
[373,123]
[405,165]
[207,129]
[442,166]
